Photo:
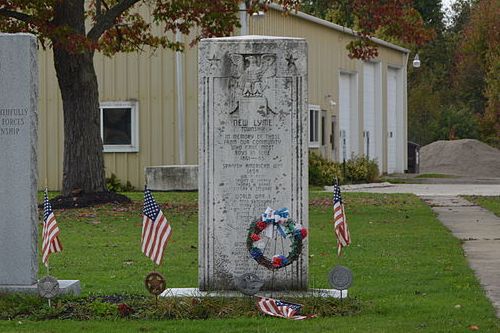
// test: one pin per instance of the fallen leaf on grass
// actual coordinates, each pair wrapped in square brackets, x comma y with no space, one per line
[473,327]
[124,310]
[121,209]
[87,215]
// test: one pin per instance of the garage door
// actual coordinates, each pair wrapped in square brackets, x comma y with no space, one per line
[344,121]
[369,100]
[392,135]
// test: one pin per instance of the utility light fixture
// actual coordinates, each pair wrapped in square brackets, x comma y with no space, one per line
[260,13]
[416,61]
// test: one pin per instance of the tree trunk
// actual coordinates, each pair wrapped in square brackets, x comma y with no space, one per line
[83,159]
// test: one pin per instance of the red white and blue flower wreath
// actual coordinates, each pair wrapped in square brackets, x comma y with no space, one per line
[269,222]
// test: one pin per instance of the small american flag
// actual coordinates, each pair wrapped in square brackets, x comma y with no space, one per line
[277,308]
[50,240]
[340,222]
[155,229]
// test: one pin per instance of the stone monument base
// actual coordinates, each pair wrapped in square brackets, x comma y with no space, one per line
[66,287]
[172,177]
[195,292]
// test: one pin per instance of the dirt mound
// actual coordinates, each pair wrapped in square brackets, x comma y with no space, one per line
[465,157]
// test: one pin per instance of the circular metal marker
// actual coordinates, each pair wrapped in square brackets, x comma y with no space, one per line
[48,287]
[155,283]
[340,277]
[248,283]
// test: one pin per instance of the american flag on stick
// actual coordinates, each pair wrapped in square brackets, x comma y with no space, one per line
[156,230]
[340,221]
[50,233]
[277,308]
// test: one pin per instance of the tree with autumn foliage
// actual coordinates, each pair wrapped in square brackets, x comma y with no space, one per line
[476,74]
[455,94]
[393,20]
[76,29]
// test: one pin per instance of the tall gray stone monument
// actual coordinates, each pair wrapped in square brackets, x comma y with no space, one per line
[252,153]
[18,166]
[18,160]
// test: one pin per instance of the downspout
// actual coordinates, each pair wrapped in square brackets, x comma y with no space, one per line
[405,109]
[179,73]
[243,19]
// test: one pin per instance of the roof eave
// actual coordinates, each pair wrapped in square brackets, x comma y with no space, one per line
[337,27]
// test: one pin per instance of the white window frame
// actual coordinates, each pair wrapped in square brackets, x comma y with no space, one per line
[316,125]
[134,126]
[322,129]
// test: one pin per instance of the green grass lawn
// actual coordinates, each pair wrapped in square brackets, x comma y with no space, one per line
[410,274]
[409,179]
[435,175]
[490,203]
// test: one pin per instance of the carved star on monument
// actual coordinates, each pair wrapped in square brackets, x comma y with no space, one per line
[290,59]
[214,62]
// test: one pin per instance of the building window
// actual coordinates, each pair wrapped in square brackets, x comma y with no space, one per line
[314,126]
[119,126]
[323,128]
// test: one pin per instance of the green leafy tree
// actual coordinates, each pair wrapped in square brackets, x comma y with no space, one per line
[455,122]
[476,74]
[431,13]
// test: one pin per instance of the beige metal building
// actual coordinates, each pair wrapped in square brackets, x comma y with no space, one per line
[149,107]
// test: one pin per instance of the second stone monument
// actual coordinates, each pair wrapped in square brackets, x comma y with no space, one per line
[18,160]
[18,165]
[253,153]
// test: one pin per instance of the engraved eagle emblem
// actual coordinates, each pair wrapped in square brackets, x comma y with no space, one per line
[251,75]
[251,71]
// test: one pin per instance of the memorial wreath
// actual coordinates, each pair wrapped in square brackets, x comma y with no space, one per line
[274,222]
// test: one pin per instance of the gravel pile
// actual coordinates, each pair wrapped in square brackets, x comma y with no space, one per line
[465,157]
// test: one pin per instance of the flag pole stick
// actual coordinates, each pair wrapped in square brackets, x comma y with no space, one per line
[48,273]
[156,296]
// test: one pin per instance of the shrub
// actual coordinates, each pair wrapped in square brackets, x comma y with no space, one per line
[358,169]
[115,185]
[323,172]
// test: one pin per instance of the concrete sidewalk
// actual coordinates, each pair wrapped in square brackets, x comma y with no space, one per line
[424,189]
[477,227]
